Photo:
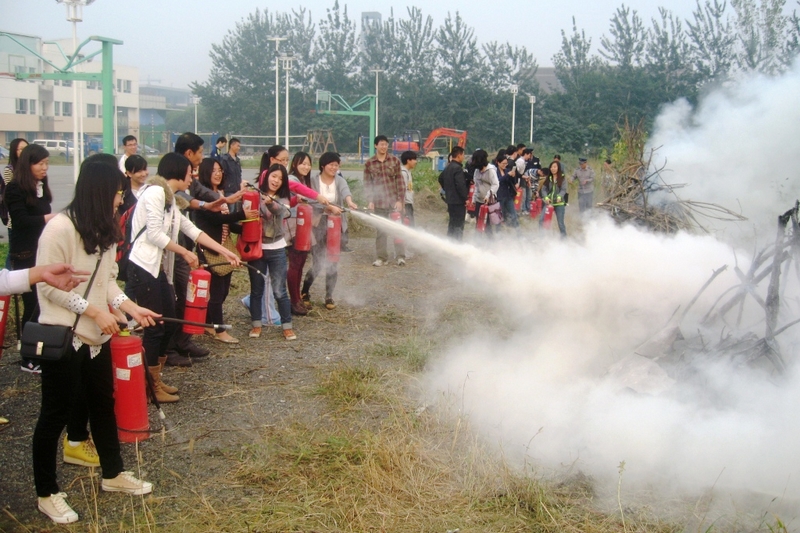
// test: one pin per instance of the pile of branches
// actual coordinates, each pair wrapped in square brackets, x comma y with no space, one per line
[671,353]
[631,191]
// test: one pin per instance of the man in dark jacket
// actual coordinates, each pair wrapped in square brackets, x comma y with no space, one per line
[453,181]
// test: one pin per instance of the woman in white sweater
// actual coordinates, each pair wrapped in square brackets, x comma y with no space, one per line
[156,223]
[84,235]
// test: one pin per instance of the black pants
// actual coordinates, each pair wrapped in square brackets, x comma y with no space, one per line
[157,295]
[455,226]
[220,286]
[62,383]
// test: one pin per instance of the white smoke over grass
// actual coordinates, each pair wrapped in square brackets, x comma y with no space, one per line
[570,310]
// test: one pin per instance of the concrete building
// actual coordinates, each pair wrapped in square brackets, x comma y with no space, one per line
[44,109]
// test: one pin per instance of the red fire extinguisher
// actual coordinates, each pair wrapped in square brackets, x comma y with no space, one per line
[130,399]
[483,214]
[395,217]
[249,251]
[518,199]
[302,238]
[5,303]
[334,237]
[470,203]
[536,208]
[197,300]
[548,216]
[251,229]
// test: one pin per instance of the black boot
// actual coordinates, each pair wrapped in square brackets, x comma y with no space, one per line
[185,346]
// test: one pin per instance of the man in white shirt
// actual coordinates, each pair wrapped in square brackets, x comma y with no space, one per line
[130,145]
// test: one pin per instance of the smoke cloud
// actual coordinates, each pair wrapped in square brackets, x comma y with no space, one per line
[536,379]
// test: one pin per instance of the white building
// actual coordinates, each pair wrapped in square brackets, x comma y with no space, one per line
[44,109]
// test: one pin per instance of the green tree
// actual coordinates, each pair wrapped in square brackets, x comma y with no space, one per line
[711,41]
[668,57]
[626,45]
[338,59]
[761,30]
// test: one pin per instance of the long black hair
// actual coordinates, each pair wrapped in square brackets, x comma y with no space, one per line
[273,152]
[297,160]
[12,151]
[263,181]
[23,175]
[92,208]
[205,170]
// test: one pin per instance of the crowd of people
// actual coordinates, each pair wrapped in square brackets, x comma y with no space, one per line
[187,215]
[514,175]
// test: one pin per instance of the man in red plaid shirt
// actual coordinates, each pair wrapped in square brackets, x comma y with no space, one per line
[385,191]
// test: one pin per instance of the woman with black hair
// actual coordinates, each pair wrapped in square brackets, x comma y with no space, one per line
[486,183]
[274,187]
[28,200]
[137,174]
[219,226]
[508,179]
[84,235]
[156,223]
[332,186]
[554,193]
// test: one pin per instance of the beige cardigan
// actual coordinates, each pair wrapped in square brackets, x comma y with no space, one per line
[60,243]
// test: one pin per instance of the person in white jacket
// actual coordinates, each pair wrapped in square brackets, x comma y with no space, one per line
[155,226]
[61,276]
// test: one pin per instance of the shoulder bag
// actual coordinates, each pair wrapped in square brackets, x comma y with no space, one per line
[45,342]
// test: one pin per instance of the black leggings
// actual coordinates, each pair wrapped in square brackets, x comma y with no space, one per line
[157,295]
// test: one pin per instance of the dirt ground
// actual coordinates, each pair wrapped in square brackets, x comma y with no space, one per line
[228,398]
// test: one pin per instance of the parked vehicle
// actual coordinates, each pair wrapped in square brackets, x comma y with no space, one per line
[54,146]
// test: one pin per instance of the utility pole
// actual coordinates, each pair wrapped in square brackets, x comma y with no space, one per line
[514,91]
[377,73]
[287,66]
[277,89]
[532,100]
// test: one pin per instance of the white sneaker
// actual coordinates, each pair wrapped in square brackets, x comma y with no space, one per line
[57,509]
[378,263]
[127,483]
[401,262]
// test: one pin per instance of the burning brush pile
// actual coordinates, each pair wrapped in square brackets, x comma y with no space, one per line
[638,194]
[675,352]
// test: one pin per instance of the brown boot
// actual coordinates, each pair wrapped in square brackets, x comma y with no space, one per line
[166,388]
[158,387]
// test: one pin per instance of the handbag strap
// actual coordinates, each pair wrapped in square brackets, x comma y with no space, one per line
[88,288]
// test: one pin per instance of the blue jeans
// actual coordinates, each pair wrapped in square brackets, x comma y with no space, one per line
[275,264]
[509,212]
[527,196]
[559,212]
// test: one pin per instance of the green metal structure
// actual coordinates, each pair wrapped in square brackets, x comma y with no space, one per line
[67,73]
[323,107]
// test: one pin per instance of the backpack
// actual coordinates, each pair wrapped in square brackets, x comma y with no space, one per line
[124,246]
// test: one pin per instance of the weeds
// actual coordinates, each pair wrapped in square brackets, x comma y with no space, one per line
[349,384]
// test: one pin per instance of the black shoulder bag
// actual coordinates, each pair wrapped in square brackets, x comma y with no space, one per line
[45,342]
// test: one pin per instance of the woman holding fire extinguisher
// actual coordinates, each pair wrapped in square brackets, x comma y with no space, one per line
[274,187]
[84,235]
[156,223]
[554,194]
[219,226]
[333,187]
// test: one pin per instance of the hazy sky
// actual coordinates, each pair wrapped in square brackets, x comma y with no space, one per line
[161,34]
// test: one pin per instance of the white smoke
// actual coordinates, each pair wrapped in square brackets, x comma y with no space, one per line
[538,386]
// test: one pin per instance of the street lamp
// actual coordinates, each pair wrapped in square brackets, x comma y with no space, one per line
[514,91]
[75,15]
[195,101]
[377,72]
[277,90]
[287,66]
[532,100]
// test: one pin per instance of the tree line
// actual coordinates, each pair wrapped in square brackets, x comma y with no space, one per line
[441,76]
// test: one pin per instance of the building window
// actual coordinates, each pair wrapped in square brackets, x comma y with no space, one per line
[32,107]
[66,83]
[100,111]
[127,86]
[57,109]
[91,110]
[66,109]
[56,83]
[22,106]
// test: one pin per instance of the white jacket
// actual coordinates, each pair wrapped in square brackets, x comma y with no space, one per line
[163,225]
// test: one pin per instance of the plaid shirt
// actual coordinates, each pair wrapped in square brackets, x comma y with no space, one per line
[383,182]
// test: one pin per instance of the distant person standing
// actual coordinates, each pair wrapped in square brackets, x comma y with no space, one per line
[385,192]
[219,146]
[409,161]
[584,174]
[453,181]
[129,146]
[232,168]
[521,164]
